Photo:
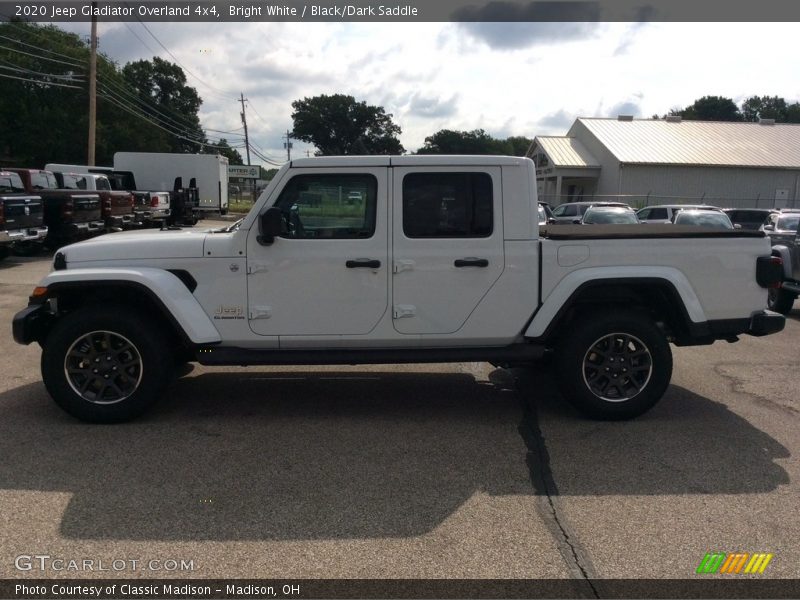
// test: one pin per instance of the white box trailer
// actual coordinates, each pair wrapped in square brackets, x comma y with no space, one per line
[157,171]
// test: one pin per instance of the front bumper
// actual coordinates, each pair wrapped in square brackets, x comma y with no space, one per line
[30,324]
[34,234]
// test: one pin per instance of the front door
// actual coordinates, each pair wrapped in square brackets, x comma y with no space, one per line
[448,245]
[327,273]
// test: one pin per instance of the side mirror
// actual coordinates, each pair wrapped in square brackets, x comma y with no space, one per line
[769,228]
[737,226]
[576,221]
[269,225]
[551,221]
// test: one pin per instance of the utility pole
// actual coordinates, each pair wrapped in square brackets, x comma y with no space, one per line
[288,145]
[92,87]
[244,122]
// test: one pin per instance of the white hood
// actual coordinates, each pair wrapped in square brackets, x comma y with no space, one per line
[135,245]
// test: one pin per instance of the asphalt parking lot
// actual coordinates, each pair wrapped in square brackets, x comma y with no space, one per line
[403,471]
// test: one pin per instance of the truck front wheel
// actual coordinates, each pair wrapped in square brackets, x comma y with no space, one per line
[104,364]
[614,364]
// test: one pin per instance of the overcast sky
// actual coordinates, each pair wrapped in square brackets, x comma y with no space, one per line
[507,78]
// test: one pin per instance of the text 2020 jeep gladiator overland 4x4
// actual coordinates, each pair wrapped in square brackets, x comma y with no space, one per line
[395,259]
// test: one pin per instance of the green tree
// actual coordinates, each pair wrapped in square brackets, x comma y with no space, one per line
[793,113]
[223,147]
[765,107]
[518,145]
[267,174]
[43,104]
[339,125]
[710,108]
[43,121]
[477,141]
[162,84]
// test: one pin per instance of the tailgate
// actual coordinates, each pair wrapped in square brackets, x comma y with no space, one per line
[86,207]
[120,203]
[23,213]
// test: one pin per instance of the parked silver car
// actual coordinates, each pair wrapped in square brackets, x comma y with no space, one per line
[572,212]
[610,215]
[665,213]
[712,219]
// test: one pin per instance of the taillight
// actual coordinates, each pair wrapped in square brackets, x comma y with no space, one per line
[130,197]
[769,271]
[153,201]
[67,210]
[106,208]
[2,215]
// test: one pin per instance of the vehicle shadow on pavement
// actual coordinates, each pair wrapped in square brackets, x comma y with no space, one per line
[687,444]
[259,455]
[297,455]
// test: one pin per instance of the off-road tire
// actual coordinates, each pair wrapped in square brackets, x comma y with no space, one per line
[623,350]
[80,336]
[780,300]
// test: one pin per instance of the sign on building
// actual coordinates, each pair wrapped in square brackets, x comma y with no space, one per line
[244,171]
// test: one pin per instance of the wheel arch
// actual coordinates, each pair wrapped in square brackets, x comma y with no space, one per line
[658,297]
[165,295]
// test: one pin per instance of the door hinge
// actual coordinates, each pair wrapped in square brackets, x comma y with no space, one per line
[403,265]
[257,267]
[260,312]
[403,311]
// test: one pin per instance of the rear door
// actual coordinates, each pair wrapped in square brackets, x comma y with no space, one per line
[447,244]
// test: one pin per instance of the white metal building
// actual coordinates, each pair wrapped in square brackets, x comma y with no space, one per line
[649,161]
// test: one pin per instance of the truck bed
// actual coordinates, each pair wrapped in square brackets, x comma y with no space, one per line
[660,230]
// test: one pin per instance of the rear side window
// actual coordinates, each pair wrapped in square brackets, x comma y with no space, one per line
[329,206]
[657,213]
[565,210]
[447,205]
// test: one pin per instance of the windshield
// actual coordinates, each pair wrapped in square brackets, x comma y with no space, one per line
[10,183]
[788,223]
[704,218]
[610,217]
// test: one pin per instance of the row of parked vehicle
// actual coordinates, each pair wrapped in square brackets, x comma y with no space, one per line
[780,225]
[704,215]
[50,208]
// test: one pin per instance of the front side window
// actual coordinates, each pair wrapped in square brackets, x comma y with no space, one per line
[329,206]
[447,205]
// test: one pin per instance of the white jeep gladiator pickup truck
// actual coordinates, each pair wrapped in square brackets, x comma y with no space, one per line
[347,260]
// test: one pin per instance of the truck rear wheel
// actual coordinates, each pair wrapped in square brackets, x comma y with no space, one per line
[614,364]
[780,300]
[104,364]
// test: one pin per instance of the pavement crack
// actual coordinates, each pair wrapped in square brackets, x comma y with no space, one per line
[538,459]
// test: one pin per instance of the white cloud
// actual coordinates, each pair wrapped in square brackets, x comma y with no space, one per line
[444,75]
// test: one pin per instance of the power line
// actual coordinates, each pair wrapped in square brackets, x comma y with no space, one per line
[166,126]
[184,123]
[221,92]
[16,41]
[141,116]
[20,69]
[39,82]
[41,57]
